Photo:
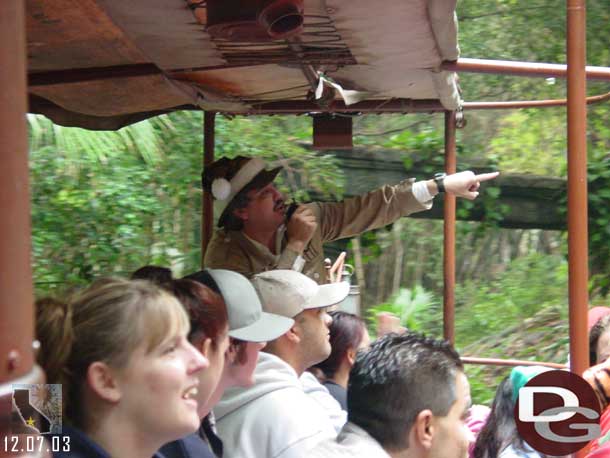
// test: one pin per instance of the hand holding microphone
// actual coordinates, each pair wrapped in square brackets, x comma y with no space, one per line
[300,228]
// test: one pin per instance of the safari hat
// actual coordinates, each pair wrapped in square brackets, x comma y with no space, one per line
[226,178]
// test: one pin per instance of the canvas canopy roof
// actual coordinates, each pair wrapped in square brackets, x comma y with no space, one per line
[103,64]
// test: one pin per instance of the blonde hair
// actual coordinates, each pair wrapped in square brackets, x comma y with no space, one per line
[106,323]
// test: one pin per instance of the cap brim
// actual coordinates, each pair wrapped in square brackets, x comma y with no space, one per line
[263,178]
[269,327]
[329,294]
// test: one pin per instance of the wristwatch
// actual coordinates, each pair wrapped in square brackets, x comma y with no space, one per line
[439,179]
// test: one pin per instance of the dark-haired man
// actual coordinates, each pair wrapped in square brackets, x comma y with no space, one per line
[255,235]
[407,397]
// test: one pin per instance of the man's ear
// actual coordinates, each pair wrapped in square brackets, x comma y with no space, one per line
[294,334]
[424,429]
[231,354]
[103,381]
[241,213]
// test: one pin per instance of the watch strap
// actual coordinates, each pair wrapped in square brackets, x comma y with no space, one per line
[439,178]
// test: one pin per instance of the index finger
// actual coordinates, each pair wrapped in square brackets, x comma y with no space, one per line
[486,176]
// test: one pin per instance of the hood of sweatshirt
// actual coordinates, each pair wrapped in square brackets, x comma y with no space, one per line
[271,374]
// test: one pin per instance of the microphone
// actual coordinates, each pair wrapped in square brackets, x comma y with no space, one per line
[291,209]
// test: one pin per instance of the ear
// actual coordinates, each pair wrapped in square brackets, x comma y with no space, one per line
[103,382]
[231,354]
[241,213]
[424,429]
[205,347]
[294,334]
[351,356]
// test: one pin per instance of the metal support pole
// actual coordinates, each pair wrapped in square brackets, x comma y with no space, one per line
[508,67]
[509,362]
[16,295]
[207,208]
[577,185]
[530,103]
[449,234]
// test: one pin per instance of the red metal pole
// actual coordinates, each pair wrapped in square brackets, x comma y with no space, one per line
[530,103]
[508,362]
[449,234]
[16,294]
[578,269]
[577,185]
[507,67]
[207,217]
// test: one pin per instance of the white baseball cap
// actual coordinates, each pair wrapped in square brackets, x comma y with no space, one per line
[288,293]
[247,320]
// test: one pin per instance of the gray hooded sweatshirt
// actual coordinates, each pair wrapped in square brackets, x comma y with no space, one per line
[274,418]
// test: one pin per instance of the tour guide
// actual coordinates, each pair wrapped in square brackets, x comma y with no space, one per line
[254,236]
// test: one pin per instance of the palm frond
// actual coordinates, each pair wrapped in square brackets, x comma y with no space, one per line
[79,146]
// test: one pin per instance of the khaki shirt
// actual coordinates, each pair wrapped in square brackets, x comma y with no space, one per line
[233,250]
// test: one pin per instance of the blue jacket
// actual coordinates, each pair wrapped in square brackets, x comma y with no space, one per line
[191,446]
[80,446]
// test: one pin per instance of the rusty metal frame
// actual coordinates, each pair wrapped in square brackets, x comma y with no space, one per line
[207,207]
[531,103]
[578,268]
[16,320]
[508,362]
[449,232]
[366,106]
[399,106]
[16,288]
[466,65]
[508,67]
[577,74]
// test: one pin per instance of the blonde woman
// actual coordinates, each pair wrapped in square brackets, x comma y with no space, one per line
[129,375]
